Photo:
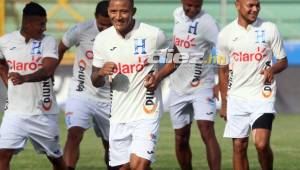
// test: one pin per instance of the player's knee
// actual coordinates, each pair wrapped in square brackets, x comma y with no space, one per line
[141,165]
[261,146]
[182,141]
[240,146]
[75,135]
[207,131]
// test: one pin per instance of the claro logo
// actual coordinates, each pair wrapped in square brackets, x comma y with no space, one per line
[130,68]
[249,57]
[187,43]
[25,66]
[47,101]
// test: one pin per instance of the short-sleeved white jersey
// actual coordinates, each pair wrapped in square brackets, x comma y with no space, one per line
[83,36]
[131,101]
[248,52]
[194,38]
[29,98]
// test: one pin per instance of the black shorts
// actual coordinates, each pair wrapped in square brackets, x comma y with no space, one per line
[264,122]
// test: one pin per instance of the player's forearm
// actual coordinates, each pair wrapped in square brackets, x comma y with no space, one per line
[40,75]
[165,71]
[279,66]
[223,82]
[97,80]
[61,51]
[4,73]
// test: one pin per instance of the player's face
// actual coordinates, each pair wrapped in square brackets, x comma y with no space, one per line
[191,7]
[102,22]
[35,27]
[248,10]
[121,14]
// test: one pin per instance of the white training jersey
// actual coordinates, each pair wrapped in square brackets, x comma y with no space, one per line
[29,98]
[82,36]
[248,52]
[194,39]
[131,101]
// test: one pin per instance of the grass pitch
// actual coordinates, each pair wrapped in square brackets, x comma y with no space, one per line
[285,143]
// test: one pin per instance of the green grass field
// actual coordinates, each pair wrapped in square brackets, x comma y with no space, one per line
[285,142]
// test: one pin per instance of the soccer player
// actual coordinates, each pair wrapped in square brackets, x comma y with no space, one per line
[192,84]
[247,84]
[136,97]
[85,101]
[30,58]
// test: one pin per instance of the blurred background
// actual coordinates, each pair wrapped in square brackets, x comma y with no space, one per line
[64,13]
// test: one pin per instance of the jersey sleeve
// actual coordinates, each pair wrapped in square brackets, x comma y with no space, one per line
[1,49]
[162,41]
[50,47]
[98,52]
[223,55]
[212,31]
[70,38]
[277,44]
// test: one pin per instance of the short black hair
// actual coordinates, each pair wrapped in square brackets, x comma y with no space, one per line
[34,9]
[101,8]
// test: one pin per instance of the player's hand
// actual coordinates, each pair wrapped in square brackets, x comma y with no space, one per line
[223,111]
[216,90]
[16,78]
[107,69]
[150,82]
[268,75]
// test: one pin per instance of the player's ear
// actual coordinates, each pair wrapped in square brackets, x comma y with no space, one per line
[133,11]
[237,4]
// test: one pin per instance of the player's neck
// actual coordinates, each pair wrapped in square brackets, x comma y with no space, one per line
[25,35]
[243,22]
[125,32]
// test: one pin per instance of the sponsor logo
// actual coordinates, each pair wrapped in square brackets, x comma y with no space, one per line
[81,75]
[210,113]
[57,152]
[89,54]
[150,104]
[267,91]
[112,49]
[12,48]
[187,43]
[210,100]
[130,68]
[249,57]
[47,101]
[198,71]
[230,79]
[235,39]
[150,152]
[25,66]
[6,105]
[152,136]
